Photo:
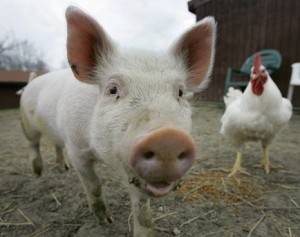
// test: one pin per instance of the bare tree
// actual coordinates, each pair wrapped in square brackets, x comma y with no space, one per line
[20,55]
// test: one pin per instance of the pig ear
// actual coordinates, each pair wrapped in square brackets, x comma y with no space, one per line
[87,44]
[197,49]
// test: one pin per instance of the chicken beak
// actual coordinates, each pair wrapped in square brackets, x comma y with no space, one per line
[254,76]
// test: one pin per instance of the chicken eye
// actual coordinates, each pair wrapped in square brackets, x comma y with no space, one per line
[113,90]
[180,92]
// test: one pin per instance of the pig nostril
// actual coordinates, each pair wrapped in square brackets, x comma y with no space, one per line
[182,155]
[149,155]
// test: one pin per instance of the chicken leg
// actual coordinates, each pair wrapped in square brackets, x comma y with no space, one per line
[237,167]
[265,163]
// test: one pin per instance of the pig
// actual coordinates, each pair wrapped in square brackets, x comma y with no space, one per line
[123,107]
[32,75]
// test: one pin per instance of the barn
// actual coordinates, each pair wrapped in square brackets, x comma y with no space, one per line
[10,83]
[245,27]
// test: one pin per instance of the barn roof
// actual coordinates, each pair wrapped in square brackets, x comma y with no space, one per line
[15,76]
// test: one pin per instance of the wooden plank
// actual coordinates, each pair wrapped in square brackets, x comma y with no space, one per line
[245,27]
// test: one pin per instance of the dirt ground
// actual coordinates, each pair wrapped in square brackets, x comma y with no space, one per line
[207,203]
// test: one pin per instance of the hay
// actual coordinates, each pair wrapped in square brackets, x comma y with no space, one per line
[215,186]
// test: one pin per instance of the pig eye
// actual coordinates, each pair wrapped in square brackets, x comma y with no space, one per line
[113,90]
[180,92]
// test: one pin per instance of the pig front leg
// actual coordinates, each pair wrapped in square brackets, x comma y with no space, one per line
[60,157]
[84,166]
[33,136]
[141,213]
[36,158]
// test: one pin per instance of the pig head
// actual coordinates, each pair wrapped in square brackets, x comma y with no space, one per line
[127,108]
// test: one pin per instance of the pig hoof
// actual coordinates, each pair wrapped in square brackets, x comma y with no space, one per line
[104,217]
[38,173]
[62,164]
[63,167]
[110,219]
[37,170]
[102,213]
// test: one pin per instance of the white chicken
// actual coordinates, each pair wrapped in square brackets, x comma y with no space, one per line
[255,115]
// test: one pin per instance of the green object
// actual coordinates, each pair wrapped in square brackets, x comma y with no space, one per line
[271,59]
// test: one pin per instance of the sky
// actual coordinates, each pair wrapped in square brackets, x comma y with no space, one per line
[145,24]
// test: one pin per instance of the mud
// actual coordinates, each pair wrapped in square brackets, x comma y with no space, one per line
[207,202]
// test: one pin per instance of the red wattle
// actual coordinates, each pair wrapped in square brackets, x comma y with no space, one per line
[257,87]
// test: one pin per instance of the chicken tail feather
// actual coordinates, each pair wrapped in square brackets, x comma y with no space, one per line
[232,95]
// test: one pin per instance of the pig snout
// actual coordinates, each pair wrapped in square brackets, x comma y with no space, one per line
[161,158]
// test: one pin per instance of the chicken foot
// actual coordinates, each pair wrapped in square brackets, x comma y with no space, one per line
[237,167]
[265,163]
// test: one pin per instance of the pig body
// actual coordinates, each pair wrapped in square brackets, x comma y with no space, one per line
[123,107]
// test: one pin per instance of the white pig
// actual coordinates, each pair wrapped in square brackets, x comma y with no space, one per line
[126,108]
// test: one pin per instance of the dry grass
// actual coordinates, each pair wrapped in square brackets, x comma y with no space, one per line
[216,186]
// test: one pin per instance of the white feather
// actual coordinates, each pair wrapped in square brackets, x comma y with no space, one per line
[232,95]
[249,117]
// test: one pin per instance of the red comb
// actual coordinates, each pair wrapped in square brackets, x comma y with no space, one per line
[257,62]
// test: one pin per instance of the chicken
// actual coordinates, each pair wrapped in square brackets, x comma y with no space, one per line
[258,114]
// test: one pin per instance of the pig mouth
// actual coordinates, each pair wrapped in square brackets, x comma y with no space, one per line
[153,188]
[159,189]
